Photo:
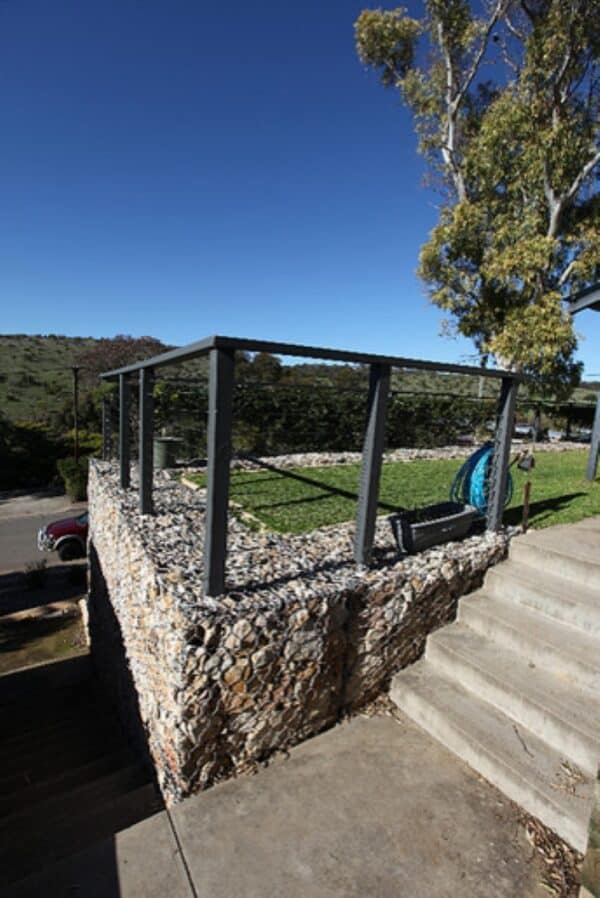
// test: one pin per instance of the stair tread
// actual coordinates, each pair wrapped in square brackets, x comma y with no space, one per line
[32,769]
[576,706]
[566,641]
[592,523]
[582,545]
[54,732]
[47,812]
[64,781]
[495,734]
[541,581]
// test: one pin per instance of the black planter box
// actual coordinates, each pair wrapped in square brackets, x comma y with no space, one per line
[424,527]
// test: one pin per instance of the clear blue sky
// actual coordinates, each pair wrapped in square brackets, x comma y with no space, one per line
[183,168]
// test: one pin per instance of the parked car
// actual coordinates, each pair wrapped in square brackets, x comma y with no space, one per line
[68,537]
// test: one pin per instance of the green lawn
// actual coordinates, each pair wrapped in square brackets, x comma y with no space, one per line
[302,499]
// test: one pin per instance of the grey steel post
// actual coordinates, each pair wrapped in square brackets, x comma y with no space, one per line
[502,439]
[379,385]
[592,464]
[106,429]
[146,435]
[220,414]
[124,460]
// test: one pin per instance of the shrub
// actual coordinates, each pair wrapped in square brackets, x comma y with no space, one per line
[74,474]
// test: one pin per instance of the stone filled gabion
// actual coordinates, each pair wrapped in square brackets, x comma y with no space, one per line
[209,686]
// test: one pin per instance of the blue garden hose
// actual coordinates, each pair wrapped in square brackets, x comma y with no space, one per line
[470,486]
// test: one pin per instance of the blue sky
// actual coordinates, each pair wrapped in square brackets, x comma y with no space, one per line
[180,169]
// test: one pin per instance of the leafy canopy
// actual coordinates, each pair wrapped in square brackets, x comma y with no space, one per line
[517,159]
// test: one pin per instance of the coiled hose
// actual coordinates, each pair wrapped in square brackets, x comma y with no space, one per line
[470,486]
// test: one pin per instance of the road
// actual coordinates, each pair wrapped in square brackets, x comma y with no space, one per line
[20,520]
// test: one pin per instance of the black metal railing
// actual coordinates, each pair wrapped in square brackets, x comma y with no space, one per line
[221,352]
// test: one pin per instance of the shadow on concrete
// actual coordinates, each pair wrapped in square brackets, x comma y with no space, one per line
[59,583]
[66,854]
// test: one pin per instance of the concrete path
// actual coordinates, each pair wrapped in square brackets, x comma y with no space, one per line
[373,808]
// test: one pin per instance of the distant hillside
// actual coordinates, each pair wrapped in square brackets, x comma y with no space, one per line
[36,379]
[35,374]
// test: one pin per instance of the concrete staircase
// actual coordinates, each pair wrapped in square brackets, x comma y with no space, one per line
[513,687]
[67,776]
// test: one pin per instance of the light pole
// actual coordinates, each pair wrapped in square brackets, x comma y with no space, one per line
[75,370]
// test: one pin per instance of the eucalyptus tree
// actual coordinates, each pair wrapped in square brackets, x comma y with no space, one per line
[505,96]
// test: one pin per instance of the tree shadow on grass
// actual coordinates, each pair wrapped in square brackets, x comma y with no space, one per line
[514,515]
[327,489]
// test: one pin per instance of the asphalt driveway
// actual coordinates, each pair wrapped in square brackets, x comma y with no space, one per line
[20,519]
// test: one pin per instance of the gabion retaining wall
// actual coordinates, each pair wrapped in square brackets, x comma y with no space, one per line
[209,686]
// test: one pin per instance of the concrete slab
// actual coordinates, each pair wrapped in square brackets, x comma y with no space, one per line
[140,862]
[372,808]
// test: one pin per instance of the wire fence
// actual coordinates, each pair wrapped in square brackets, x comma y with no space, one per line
[273,418]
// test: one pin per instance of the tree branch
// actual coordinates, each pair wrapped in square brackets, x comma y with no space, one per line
[567,272]
[500,6]
[583,174]
[448,149]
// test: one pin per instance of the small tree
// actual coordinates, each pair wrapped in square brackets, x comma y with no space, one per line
[517,160]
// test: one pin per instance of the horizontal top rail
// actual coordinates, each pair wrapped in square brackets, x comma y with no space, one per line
[585,299]
[202,347]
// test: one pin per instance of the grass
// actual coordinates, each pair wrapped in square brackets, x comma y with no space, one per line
[302,499]
[35,377]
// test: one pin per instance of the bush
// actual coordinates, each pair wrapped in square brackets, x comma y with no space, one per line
[28,455]
[75,475]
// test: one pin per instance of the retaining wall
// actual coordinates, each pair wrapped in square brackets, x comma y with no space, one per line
[208,687]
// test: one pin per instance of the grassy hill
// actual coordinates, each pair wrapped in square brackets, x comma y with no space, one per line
[36,378]
[35,373]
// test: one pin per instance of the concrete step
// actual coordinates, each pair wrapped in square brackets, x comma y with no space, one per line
[564,651]
[564,601]
[65,781]
[21,773]
[569,554]
[41,846]
[525,768]
[46,813]
[588,524]
[565,717]
[41,678]
[56,732]
[45,708]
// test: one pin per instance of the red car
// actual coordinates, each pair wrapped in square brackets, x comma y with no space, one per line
[67,536]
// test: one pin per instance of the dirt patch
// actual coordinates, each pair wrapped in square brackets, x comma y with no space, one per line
[45,633]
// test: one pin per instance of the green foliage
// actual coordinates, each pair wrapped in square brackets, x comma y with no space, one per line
[28,455]
[75,475]
[517,160]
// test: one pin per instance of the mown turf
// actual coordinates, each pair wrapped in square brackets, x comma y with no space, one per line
[303,499]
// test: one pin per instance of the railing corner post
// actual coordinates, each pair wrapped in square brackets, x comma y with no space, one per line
[220,417]
[502,442]
[379,386]
[146,388]
[124,449]
[592,465]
